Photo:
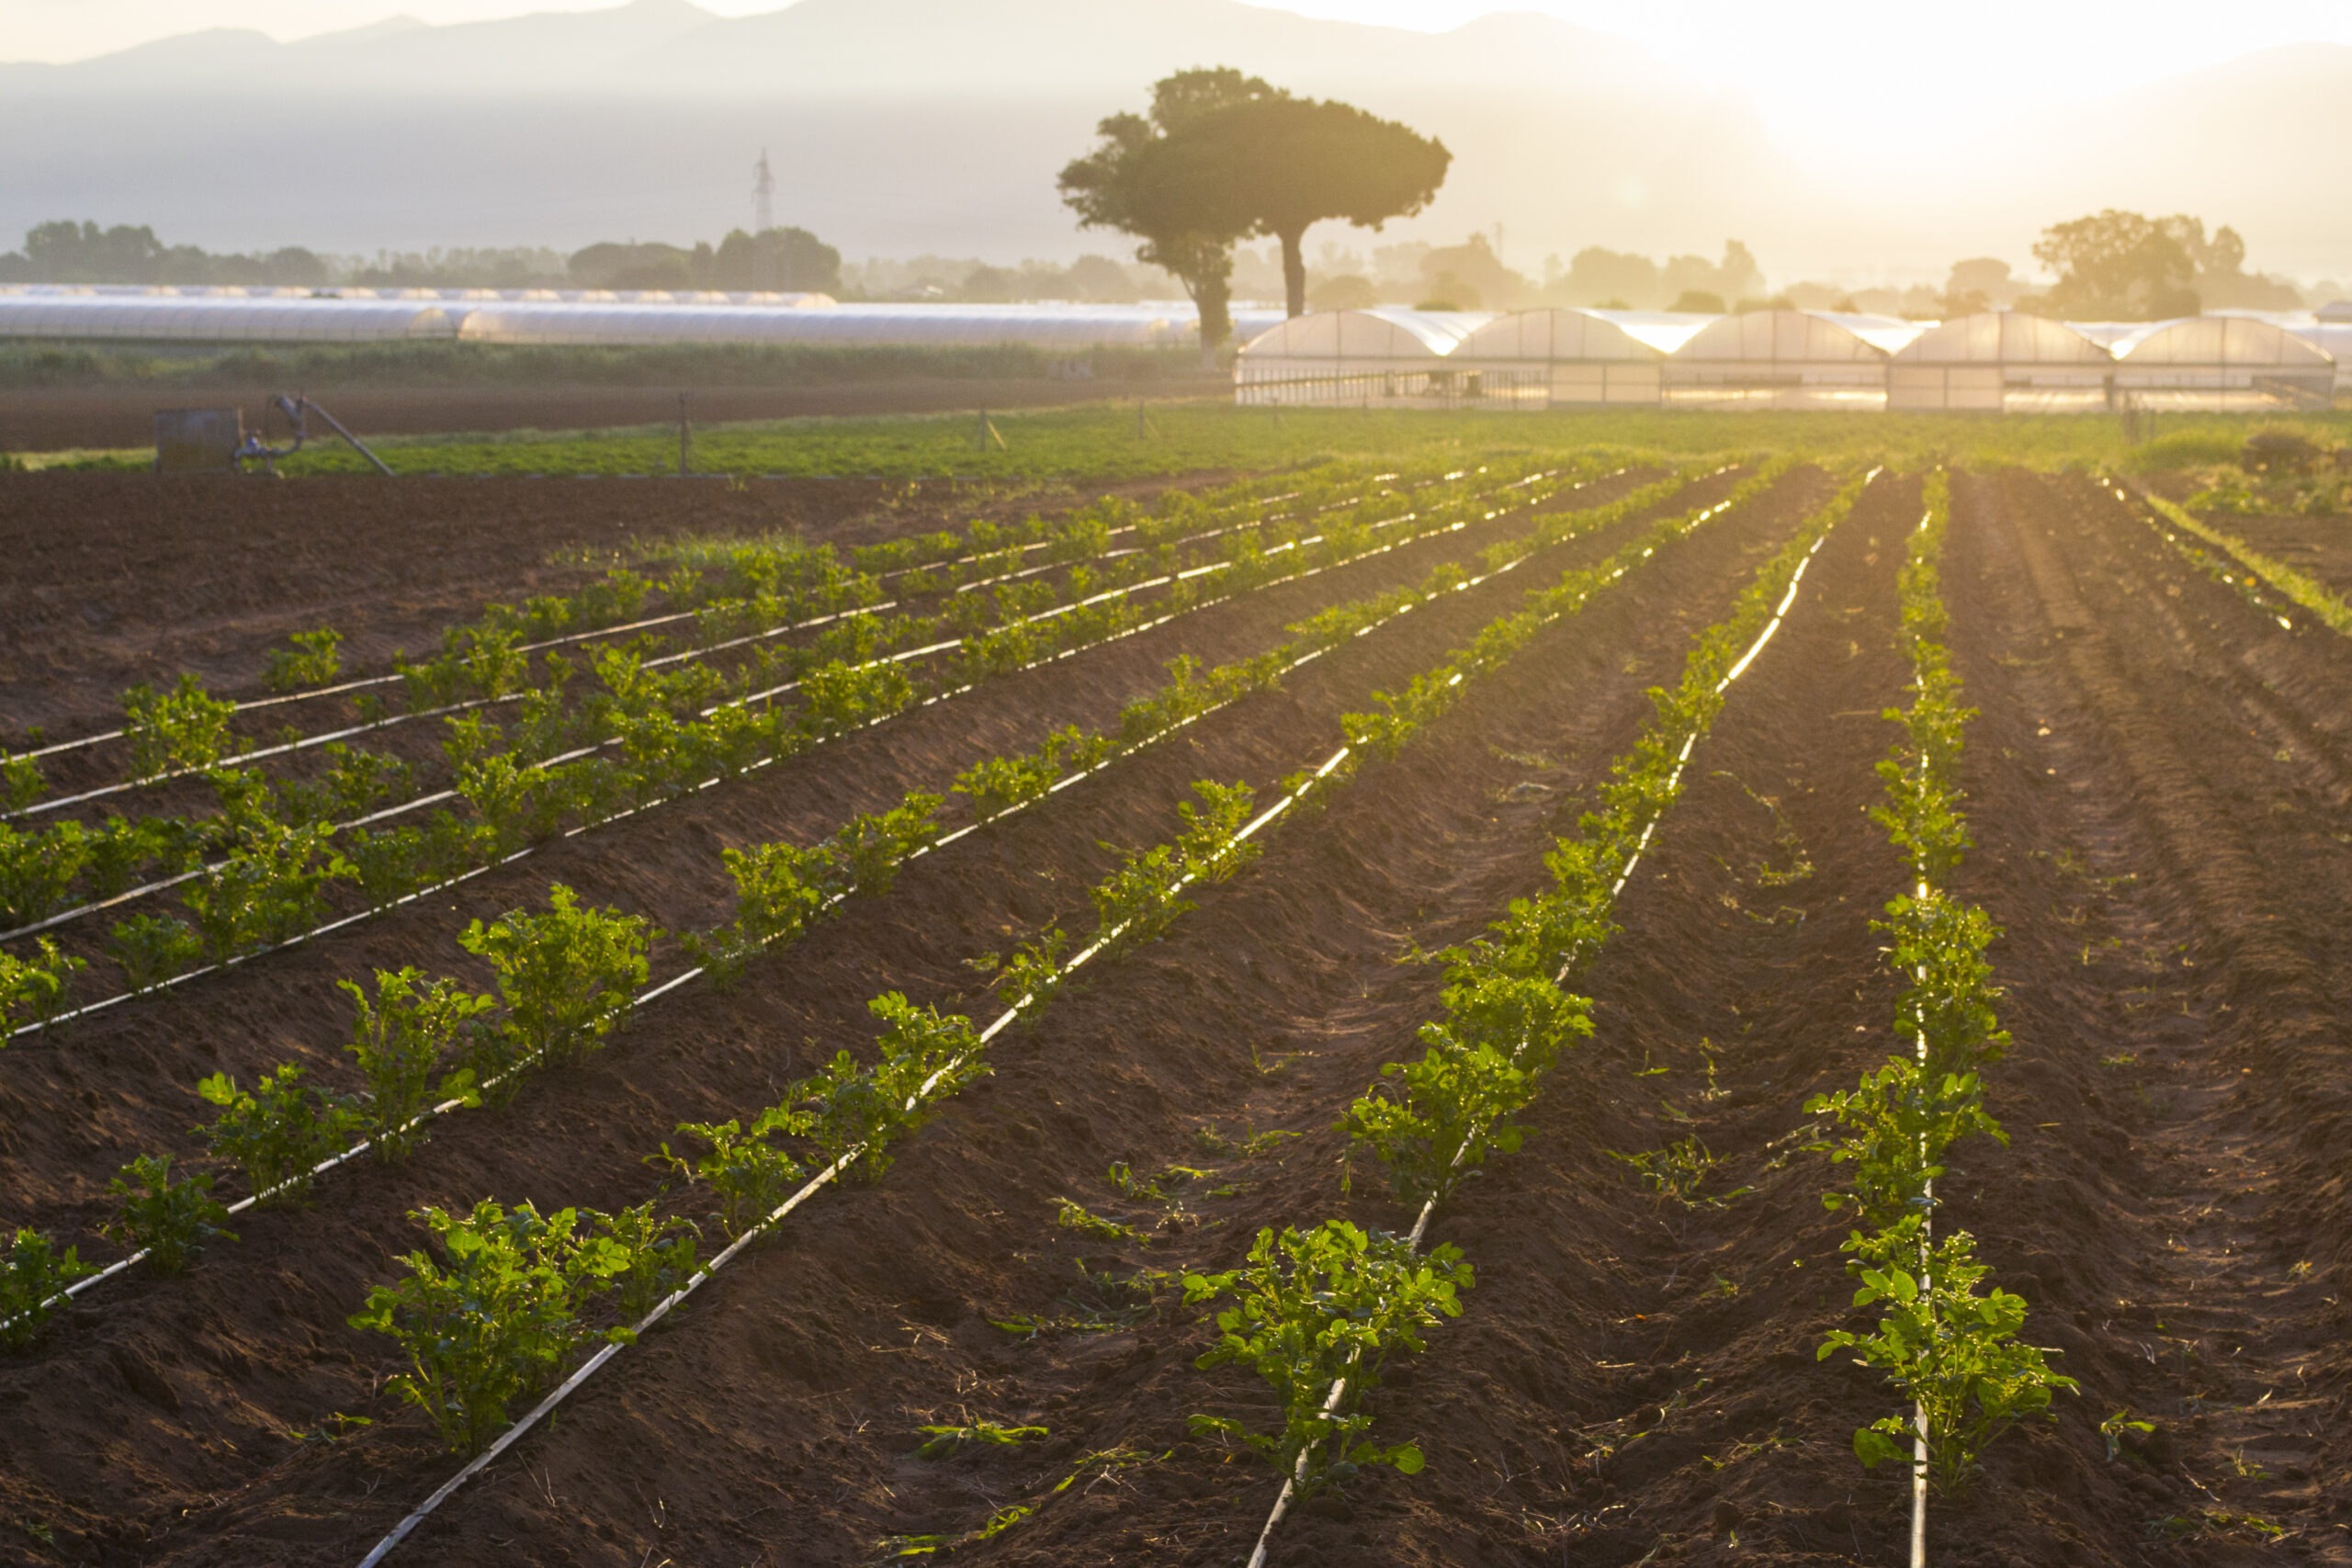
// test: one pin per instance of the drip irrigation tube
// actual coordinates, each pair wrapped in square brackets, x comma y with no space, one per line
[1428,1210]
[677,981]
[768,695]
[1322,772]
[1141,627]
[672,617]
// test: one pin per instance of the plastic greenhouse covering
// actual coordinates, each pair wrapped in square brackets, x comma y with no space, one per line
[252,317]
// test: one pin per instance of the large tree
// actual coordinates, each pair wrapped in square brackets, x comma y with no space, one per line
[2120,266]
[1292,162]
[1151,177]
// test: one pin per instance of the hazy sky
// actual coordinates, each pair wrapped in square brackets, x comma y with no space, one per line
[1926,75]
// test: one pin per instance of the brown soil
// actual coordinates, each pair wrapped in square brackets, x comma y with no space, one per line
[2320,546]
[119,1083]
[118,579]
[59,418]
[2159,784]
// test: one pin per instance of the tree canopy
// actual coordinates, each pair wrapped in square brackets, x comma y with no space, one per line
[1222,155]
[1288,163]
[1150,178]
[2117,266]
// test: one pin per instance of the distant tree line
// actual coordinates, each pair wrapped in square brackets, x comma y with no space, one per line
[783,259]
[67,251]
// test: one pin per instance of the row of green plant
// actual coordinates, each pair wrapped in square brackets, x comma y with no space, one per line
[472,1351]
[412,1035]
[1943,1338]
[753,1173]
[730,588]
[2254,568]
[1315,1312]
[270,886]
[633,702]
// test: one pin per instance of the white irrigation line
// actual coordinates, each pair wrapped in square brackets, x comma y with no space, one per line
[671,618]
[438,797]
[442,795]
[1428,1210]
[2261,590]
[675,982]
[832,1172]
[823,1178]
[1926,1237]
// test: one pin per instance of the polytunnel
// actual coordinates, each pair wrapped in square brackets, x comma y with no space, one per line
[819,321]
[1788,359]
[1542,358]
[2001,360]
[272,318]
[1355,358]
[2219,364]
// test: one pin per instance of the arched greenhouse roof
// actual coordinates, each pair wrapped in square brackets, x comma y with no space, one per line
[1382,334]
[1576,335]
[2002,337]
[2232,342]
[1806,337]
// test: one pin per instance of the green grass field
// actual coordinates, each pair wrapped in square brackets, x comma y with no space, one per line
[1100,442]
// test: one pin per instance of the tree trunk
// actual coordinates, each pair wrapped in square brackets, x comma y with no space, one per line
[1212,296]
[1294,271]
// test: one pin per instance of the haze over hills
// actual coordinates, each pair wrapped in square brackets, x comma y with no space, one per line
[905,125]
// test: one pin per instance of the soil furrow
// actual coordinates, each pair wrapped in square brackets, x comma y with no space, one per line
[704,1056]
[1632,1378]
[74,1105]
[2167,1009]
[780,1415]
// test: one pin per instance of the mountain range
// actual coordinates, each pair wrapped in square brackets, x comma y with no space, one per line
[897,127]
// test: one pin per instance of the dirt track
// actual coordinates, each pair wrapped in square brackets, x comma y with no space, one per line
[2160,796]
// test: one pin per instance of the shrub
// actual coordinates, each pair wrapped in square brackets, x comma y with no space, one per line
[171,1219]
[398,1040]
[657,1256]
[33,989]
[33,1276]
[20,783]
[38,869]
[1312,1307]
[268,890]
[495,1321]
[748,1172]
[152,948]
[565,975]
[859,1112]
[185,728]
[278,1132]
[315,659]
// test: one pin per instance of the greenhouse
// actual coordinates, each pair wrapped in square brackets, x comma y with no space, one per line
[264,316]
[1564,358]
[2001,361]
[1787,359]
[1381,358]
[2220,364]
